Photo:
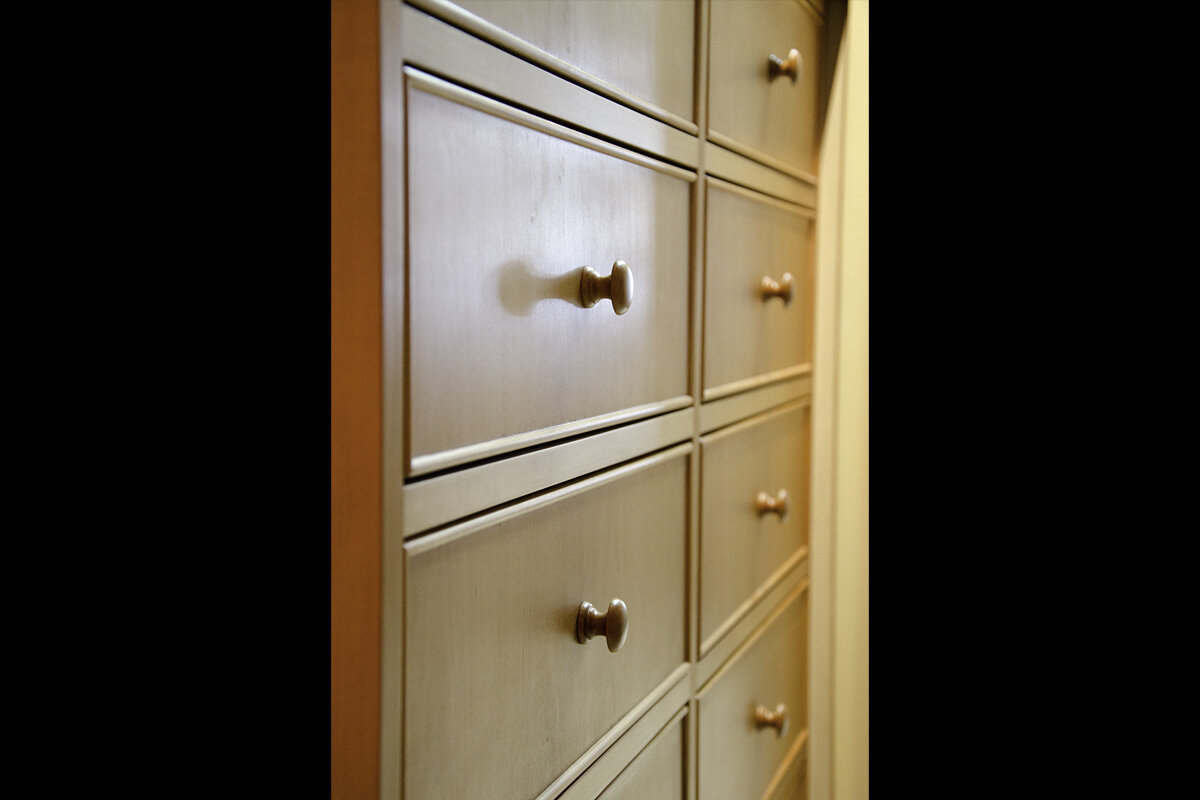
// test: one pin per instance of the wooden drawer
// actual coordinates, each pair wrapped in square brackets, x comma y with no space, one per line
[751,337]
[737,757]
[644,47]
[504,213]
[768,118]
[657,772]
[500,697]
[743,545]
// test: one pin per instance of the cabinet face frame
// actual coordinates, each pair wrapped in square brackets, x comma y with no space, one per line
[391,165]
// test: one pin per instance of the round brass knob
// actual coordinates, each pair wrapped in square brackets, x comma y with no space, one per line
[778,504]
[777,719]
[781,288]
[617,287]
[790,66]
[613,624]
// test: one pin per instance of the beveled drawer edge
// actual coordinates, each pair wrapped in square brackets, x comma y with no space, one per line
[661,702]
[737,168]
[749,630]
[730,143]
[794,759]
[737,387]
[718,183]
[719,413]
[775,412]
[423,465]
[452,91]
[493,34]
[443,498]
[594,783]
[444,536]
[750,602]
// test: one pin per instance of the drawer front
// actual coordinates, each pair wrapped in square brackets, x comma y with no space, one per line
[503,218]
[644,47]
[657,772]
[749,332]
[500,697]
[745,539]
[737,756]
[772,116]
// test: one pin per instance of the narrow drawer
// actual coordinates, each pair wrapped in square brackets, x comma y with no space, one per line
[753,512]
[656,773]
[500,696]
[739,756]
[750,109]
[754,332]
[644,47]
[504,215]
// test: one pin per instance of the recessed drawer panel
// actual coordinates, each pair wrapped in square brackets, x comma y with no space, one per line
[500,695]
[757,324]
[754,511]
[644,47]
[753,710]
[505,213]
[756,107]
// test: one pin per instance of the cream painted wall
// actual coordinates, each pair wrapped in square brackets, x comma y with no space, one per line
[840,677]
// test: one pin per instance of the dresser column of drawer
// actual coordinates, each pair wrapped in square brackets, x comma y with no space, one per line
[548,279]
[550,294]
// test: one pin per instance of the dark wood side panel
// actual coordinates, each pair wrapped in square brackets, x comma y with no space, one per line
[356,382]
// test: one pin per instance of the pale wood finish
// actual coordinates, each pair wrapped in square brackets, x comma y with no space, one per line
[656,773]
[788,374]
[506,41]
[790,781]
[851,645]
[440,499]
[794,573]
[772,120]
[751,236]
[742,547]
[824,435]
[356,481]
[562,104]
[506,219]
[727,410]
[500,698]
[611,754]
[392,168]
[644,47]
[436,46]
[738,759]
[739,169]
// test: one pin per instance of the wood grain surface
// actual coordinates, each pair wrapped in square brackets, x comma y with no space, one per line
[772,119]
[356,521]
[500,697]
[503,218]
